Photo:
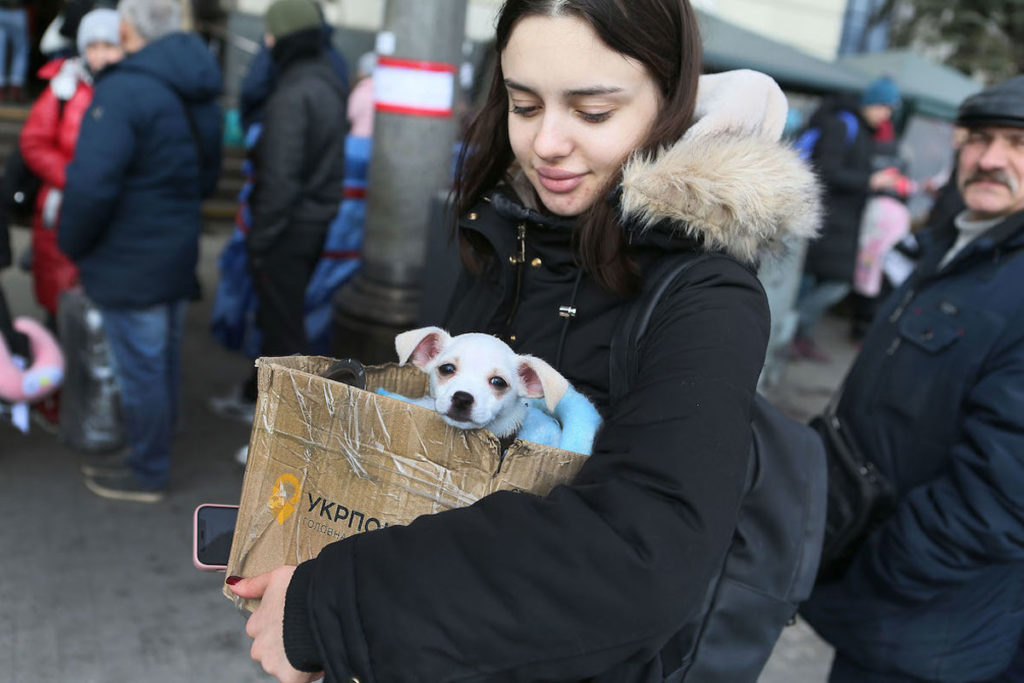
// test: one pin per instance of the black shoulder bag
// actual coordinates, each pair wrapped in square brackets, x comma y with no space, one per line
[859,495]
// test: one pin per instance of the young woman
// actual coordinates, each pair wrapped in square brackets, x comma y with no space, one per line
[48,144]
[580,175]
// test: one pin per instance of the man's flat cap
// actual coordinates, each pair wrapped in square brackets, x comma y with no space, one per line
[999,105]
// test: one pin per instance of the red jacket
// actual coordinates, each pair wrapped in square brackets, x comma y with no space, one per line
[47,144]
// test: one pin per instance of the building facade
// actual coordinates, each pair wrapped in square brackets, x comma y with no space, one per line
[814,26]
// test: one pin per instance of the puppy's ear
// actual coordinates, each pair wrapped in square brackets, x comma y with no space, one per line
[420,346]
[542,380]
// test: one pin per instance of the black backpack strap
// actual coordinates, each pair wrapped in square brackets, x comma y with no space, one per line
[622,357]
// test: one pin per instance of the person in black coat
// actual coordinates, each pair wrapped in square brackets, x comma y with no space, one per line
[842,157]
[261,78]
[605,578]
[299,166]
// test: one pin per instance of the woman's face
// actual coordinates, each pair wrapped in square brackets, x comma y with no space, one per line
[577,109]
[100,54]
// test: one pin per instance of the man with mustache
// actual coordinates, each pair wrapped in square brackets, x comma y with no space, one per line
[936,401]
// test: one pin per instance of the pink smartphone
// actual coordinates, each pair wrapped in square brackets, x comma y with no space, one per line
[213,527]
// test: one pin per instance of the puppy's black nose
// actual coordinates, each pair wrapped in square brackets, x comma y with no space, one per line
[462,400]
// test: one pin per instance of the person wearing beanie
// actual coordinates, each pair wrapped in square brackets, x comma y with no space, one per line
[842,156]
[935,401]
[298,175]
[99,38]
[882,91]
[288,17]
[261,81]
[148,154]
[885,220]
[47,144]
[261,77]
[48,141]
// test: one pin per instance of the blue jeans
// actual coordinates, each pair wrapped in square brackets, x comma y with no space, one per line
[816,297]
[14,27]
[146,348]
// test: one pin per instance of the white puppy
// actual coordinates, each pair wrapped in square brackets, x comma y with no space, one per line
[477,381]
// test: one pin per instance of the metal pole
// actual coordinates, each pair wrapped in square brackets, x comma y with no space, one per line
[410,164]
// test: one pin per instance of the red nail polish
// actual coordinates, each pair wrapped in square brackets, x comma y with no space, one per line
[232,580]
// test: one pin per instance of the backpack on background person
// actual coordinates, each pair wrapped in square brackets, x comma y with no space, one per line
[805,142]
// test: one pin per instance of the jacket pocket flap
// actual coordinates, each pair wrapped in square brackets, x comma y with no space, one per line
[932,333]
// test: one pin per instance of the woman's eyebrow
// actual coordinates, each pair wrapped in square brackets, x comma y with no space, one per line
[512,85]
[593,90]
[575,92]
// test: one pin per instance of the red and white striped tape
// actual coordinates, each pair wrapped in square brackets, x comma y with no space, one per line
[414,87]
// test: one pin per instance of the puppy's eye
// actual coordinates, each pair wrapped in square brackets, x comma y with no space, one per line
[499,383]
[446,370]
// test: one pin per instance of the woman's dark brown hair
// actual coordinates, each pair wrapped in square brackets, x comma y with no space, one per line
[662,35]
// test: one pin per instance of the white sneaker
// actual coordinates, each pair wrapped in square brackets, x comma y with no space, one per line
[233,407]
[242,455]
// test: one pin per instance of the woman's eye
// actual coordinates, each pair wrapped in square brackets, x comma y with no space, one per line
[523,111]
[446,370]
[595,118]
[499,383]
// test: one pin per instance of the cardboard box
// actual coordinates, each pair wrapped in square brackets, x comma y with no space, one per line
[328,460]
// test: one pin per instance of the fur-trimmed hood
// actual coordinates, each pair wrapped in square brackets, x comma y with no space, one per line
[742,194]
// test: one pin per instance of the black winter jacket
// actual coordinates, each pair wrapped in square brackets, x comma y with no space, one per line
[300,157]
[845,169]
[603,579]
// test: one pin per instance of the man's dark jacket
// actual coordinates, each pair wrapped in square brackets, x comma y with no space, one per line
[131,217]
[300,156]
[603,579]
[261,78]
[845,167]
[936,399]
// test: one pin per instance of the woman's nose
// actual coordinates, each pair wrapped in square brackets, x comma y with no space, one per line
[552,140]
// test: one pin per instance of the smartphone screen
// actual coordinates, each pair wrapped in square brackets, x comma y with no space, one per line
[214,529]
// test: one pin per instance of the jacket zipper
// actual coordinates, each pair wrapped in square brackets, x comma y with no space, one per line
[517,260]
[895,316]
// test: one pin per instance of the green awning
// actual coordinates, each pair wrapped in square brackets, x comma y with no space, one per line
[927,87]
[727,46]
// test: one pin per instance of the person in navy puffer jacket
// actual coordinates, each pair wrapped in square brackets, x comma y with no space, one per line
[936,401]
[147,155]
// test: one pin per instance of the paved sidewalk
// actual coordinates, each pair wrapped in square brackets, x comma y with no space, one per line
[98,591]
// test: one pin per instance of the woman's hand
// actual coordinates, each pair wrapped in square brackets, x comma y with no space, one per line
[265,625]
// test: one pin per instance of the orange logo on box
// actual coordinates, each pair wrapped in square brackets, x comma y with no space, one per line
[281,504]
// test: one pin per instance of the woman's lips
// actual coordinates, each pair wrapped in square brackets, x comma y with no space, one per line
[558,181]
